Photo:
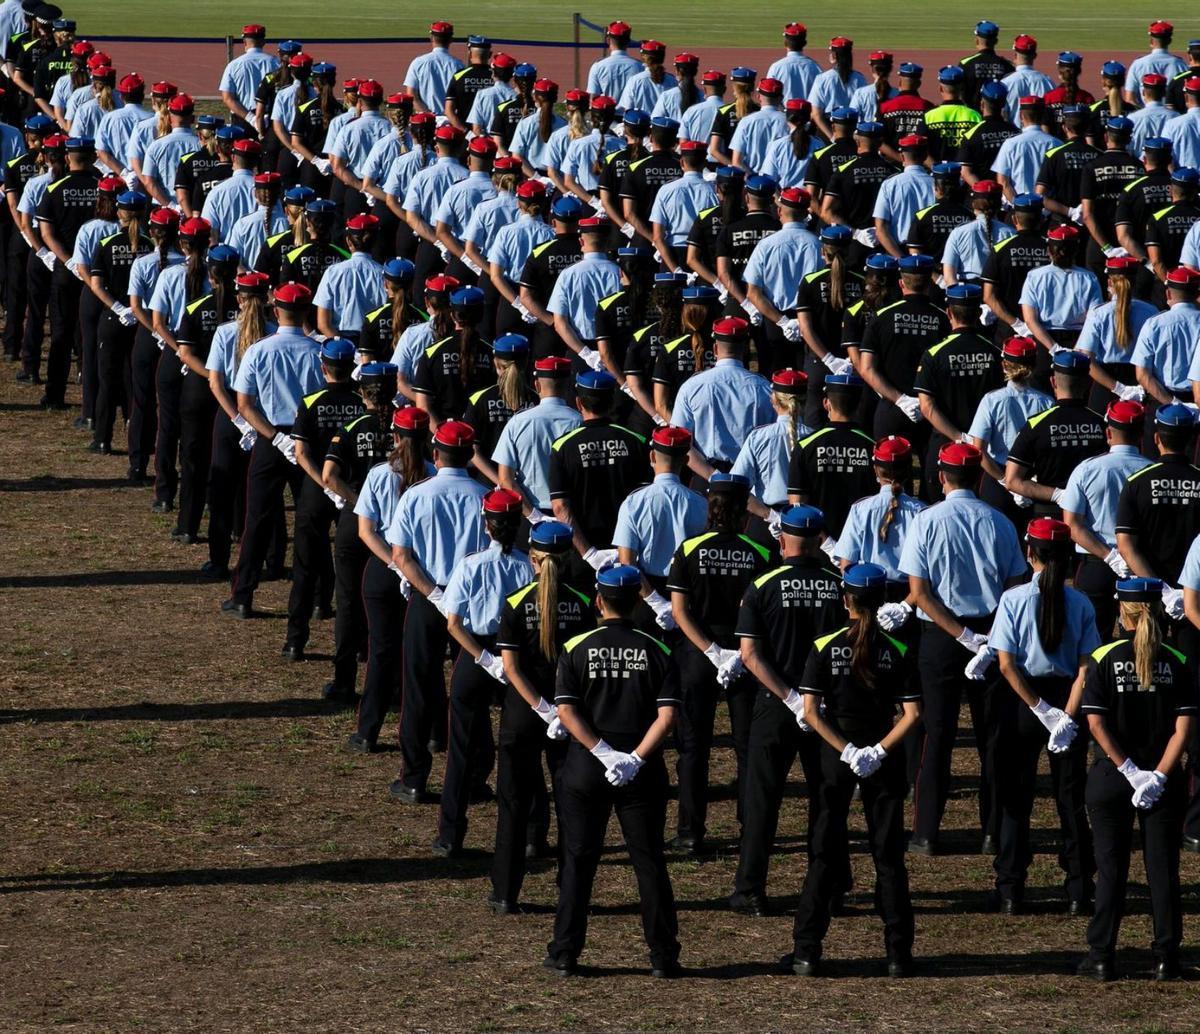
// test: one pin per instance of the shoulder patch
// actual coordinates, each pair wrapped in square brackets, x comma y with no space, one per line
[1138,473]
[758,547]
[1039,417]
[193,306]
[558,443]
[661,645]
[822,642]
[606,302]
[310,399]
[641,438]
[1106,649]
[690,545]
[762,580]
[520,594]
[805,442]
[574,641]
[542,247]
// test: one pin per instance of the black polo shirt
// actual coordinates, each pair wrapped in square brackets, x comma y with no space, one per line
[197,174]
[68,204]
[114,258]
[616,320]
[1010,262]
[714,570]
[641,358]
[439,375]
[832,469]
[646,176]
[464,84]
[488,414]
[815,298]
[1160,504]
[900,335]
[376,334]
[676,362]
[1167,229]
[594,468]
[507,118]
[310,125]
[270,255]
[521,627]
[617,678]
[1101,113]
[704,234]
[856,320]
[983,141]
[786,609]
[53,64]
[855,183]
[739,239]
[307,263]
[981,68]
[613,167]
[322,414]
[1104,182]
[18,171]
[1054,442]
[201,317]
[547,261]
[1176,96]
[357,447]
[1061,172]
[824,162]
[931,227]
[1146,195]
[957,372]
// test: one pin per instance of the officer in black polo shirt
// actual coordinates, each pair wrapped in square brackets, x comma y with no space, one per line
[67,205]
[1167,227]
[983,140]
[1054,442]
[635,125]
[542,268]
[509,113]
[1101,188]
[625,311]
[706,230]
[646,176]
[739,239]
[985,65]
[852,189]
[1011,261]
[931,226]
[307,263]
[831,468]
[468,81]
[825,160]
[1061,172]
[594,467]
[783,612]
[202,169]
[1140,199]
[17,172]
[54,62]
[1176,96]
[617,693]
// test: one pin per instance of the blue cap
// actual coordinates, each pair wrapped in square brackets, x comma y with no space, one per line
[338,350]
[802,520]
[761,186]
[994,91]
[619,579]
[299,195]
[987,30]
[324,68]
[39,123]
[525,71]
[209,122]
[728,484]
[1186,176]
[915,263]
[567,207]
[321,206]
[378,371]
[1140,590]
[701,293]
[1157,143]
[80,143]
[1193,44]
[132,199]
[882,262]
[399,271]
[553,536]
[1175,414]
[596,380]
[478,41]
[1113,70]
[910,68]
[950,74]
[1070,361]
[864,577]
[662,122]
[670,278]
[223,255]
[742,74]
[964,293]
[466,296]
[636,118]
[1118,124]
[231,133]
[869,128]
[290,46]
[1028,202]
[836,233]
[1069,57]
[844,382]
[843,115]
[510,344]
[730,172]
[947,171]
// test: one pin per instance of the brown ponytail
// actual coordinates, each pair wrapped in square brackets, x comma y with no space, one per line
[743,99]
[509,384]
[196,272]
[440,318]
[1016,372]
[1146,619]
[1121,289]
[549,576]
[252,323]
[407,459]
[881,89]
[466,353]
[687,91]
[1052,595]
[133,232]
[399,313]
[793,405]
[104,97]
[837,278]
[696,319]
[726,513]
[862,635]
[897,478]
[545,108]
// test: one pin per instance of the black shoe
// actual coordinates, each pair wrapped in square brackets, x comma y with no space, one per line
[1101,972]
[1190,843]
[100,448]
[666,970]
[161,506]
[800,965]
[559,965]
[81,423]
[900,966]
[1003,904]
[184,538]
[923,846]
[405,794]
[540,850]
[444,850]
[235,609]
[1079,908]
[500,907]
[357,744]
[1168,971]
[988,846]
[481,795]
[292,652]
[52,405]
[25,377]
[211,570]
[752,904]
[335,694]
[435,747]
[685,843]
[137,477]
[322,613]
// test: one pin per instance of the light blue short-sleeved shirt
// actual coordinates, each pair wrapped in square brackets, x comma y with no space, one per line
[170,295]
[383,154]
[116,129]
[678,203]
[670,103]
[608,76]
[1159,61]
[354,142]
[797,72]
[1062,297]
[1026,81]
[696,123]
[556,149]
[1020,158]
[60,93]
[336,125]
[487,218]
[1097,337]
[350,289]
[410,346]
[162,157]
[398,177]
[480,584]
[580,288]
[1015,631]
[859,541]
[143,135]
[249,233]
[79,96]
[245,73]
[1167,346]
[229,201]
[764,458]
[514,243]
[525,443]
[966,550]
[222,353]
[969,245]
[754,134]
[1148,122]
[380,495]
[1095,485]
[901,197]
[1189,577]
[581,157]
[144,274]
[487,100]
[655,519]
[1184,134]
[90,234]
[460,200]
[89,115]
[782,165]
[527,142]
[1002,413]
[642,92]
[429,186]
[779,262]
[32,194]
[429,75]
[440,520]
[865,101]
[721,406]
[1190,255]
[828,91]
[279,371]
[287,100]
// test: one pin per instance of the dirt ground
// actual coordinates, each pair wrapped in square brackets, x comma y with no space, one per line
[185,847]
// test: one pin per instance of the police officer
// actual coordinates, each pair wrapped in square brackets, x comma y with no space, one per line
[689,354]
[643,89]
[615,684]
[948,123]
[539,273]
[241,78]
[1175,95]
[756,130]
[709,574]
[583,165]
[349,152]
[766,451]
[428,76]
[783,612]
[1060,175]
[18,171]
[1110,331]
[788,156]
[645,177]
[1163,356]
[383,327]
[308,262]
[161,160]
[1149,120]
[608,75]
[841,148]
[510,113]
[902,196]
[466,83]
[1012,260]
[457,365]
[635,125]
[424,192]
[678,203]
[982,142]
[959,557]
[1020,157]
[705,234]
[580,288]
[200,172]
[490,408]
[852,191]
[740,237]
[351,288]
[271,382]
[795,70]
[531,138]
[1103,183]
[233,197]
[931,226]
[1143,197]
[1089,505]
[1140,705]
[1168,231]
[455,207]
[984,66]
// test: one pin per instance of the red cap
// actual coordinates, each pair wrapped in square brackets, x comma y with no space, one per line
[441,29]
[652,46]
[503,60]
[401,100]
[1047,529]
[293,296]
[712,77]
[501,502]
[422,118]
[410,421]
[111,185]
[82,48]
[1122,413]
[351,84]
[691,146]
[1063,232]
[483,146]
[552,366]
[618,29]
[448,132]
[1192,84]
[506,163]
[892,449]
[840,43]
[161,216]
[959,455]
[252,282]
[181,104]
[362,222]
[1030,101]
[1161,29]
[986,188]
[1024,44]
[99,59]
[675,441]
[798,104]
[879,56]
[545,86]
[795,29]
[164,89]
[131,83]
[254,30]
[602,103]
[300,61]
[104,72]
[788,381]
[730,328]
[686,59]
[55,142]
[195,227]
[370,88]
[1022,349]
[531,189]
[770,87]
[1122,264]
[913,142]
[441,284]
[579,98]
[247,147]
[595,224]
[267,179]
[454,434]
[1183,277]
[794,197]
[1154,79]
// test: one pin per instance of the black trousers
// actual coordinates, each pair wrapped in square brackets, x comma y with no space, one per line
[16,293]
[423,698]
[90,311]
[385,608]
[943,686]
[1095,579]
[226,489]
[169,385]
[522,807]
[64,297]
[143,400]
[470,749]
[37,298]
[268,474]
[114,347]
[350,622]
[1019,746]
[883,805]
[694,734]
[585,802]
[312,560]
[1110,807]
[775,741]
[197,410]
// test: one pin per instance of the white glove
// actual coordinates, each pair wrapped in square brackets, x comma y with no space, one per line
[1055,348]
[1076,214]
[47,257]
[371,200]
[1117,563]
[436,598]
[1057,496]
[619,767]
[1022,501]
[597,205]
[722,293]
[1173,602]
[727,662]
[835,364]
[241,423]
[1147,795]
[1138,778]
[492,664]
[131,179]
[662,611]
[849,756]
[789,328]
[1129,392]
[752,312]
[536,517]
[910,407]
[828,546]
[356,373]
[892,615]
[160,341]
[775,524]
[628,230]
[405,584]
[286,444]
[866,237]
[124,313]
[1112,251]
[863,761]
[322,165]
[1020,328]
[1063,735]
[599,559]
[691,279]
[973,641]
[548,713]
[526,315]
[658,421]
[628,390]
[299,157]
[977,666]
[336,499]
[247,440]
[592,358]
[794,702]
[625,773]
[443,250]
[1047,715]
[473,266]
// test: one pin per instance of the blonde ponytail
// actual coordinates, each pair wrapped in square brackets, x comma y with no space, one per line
[549,576]
[1147,637]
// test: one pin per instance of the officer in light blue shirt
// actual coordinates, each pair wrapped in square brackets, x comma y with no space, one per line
[244,74]
[722,405]
[487,100]
[355,141]
[782,260]
[162,156]
[481,582]
[250,233]
[1148,121]
[669,103]
[1166,352]
[781,163]
[969,245]
[384,153]
[1184,132]
[581,287]
[1098,336]
[1002,413]
[796,70]
[696,123]
[655,519]
[428,186]
[1159,60]
[490,216]
[89,113]
[234,197]
[607,76]
[641,91]
[834,87]
[901,197]
[527,142]
[754,133]
[1025,80]
[514,243]
[170,295]
[765,454]
[584,154]
[428,76]
[460,199]
[353,287]
[116,127]
[1020,157]
[1056,297]
[678,203]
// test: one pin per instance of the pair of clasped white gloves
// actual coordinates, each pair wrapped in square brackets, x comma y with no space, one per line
[862,761]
